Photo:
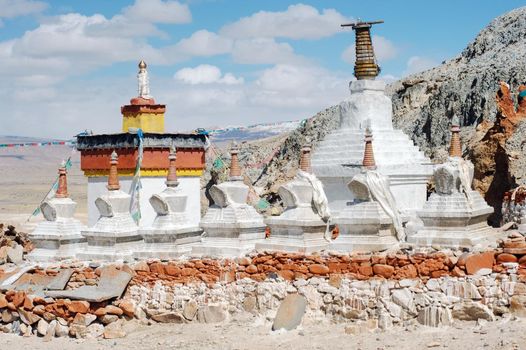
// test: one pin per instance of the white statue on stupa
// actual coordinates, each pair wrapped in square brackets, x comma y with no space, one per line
[143,81]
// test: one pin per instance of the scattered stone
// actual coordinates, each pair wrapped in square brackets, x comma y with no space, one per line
[169,317]
[28,317]
[472,311]
[518,305]
[211,314]
[290,312]
[128,307]
[84,319]
[42,327]
[15,254]
[94,331]
[114,330]
[113,310]
[61,330]
[107,319]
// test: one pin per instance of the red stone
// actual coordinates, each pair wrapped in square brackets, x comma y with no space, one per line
[457,272]
[157,268]
[286,274]
[383,270]
[505,258]
[78,306]
[128,307]
[251,269]
[28,303]
[18,298]
[476,262]
[172,270]
[407,271]
[366,270]
[113,310]
[522,260]
[244,261]
[318,269]
[3,301]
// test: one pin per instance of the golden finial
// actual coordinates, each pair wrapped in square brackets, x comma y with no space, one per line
[142,65]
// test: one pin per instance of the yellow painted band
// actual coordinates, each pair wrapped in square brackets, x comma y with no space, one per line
[148,122]
[145,172]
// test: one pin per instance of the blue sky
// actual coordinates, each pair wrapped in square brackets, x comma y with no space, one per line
[70,65]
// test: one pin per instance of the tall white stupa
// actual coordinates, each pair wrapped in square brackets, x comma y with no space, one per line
[339,156]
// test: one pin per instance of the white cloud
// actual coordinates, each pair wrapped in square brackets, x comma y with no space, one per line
[158,11]
[203,43]
[297,22]
[417,64]
[206,74]
[263,51]
[15,8]
[384,50]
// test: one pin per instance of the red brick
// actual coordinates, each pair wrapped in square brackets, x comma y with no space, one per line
[251,269]
[365,270]
[157,268]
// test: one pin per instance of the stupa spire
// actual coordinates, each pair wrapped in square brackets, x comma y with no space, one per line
[305,159]
[171,178]
[455,147]
[365,66]
[368,154]
[113,178]
[143,81]
[235,170]
[62,191]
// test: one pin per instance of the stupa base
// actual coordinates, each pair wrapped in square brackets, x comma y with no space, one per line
[303,236]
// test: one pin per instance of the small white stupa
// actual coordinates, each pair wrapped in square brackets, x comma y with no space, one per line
[303,224]
[171,234]
[59,236]
[338,157]
[231,226]
[115,235]
[371,221]
[455,215]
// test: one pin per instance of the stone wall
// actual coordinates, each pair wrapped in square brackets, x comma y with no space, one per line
[373,290]
[366,291]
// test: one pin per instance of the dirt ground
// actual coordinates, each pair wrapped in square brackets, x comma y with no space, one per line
[255,334]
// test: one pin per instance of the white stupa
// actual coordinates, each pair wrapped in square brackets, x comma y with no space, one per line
[231,226]
[455,215]
[171,234]
[59,236]
[338,157]
[302,226]
[371,221]
[115,235]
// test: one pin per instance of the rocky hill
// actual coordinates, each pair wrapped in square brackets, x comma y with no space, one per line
[468,86]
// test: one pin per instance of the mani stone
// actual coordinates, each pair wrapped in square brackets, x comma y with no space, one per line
[59,236]
[363,224]
[231,226]
[338,157]
[171,234]
[455,215]
[115,235]
[300,227]
[290,312]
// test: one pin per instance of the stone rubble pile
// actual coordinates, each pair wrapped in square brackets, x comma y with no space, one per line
[13,245]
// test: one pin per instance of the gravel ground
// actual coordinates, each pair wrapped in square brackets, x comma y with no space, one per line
[255,334]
